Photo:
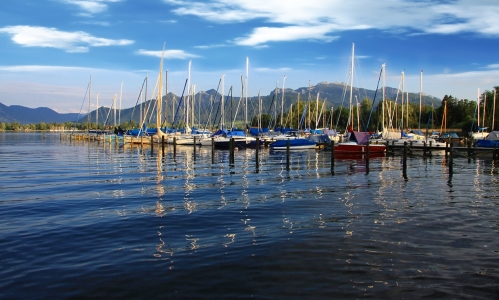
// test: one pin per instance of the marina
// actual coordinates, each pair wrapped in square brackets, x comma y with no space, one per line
[81,220]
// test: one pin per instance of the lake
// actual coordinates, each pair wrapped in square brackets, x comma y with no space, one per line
[87,220]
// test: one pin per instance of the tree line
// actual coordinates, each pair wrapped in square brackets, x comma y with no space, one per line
[452,113]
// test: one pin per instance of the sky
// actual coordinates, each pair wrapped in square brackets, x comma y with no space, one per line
[52,49]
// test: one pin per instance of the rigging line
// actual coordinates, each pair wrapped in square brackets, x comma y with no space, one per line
[374,99]
[240,99]
[109,112]
[81,108]
[271,119]
[216,114]
[211,106]
[137,102]
[179,104]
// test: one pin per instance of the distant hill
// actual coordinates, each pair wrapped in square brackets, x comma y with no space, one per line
[25,115]
[336,94]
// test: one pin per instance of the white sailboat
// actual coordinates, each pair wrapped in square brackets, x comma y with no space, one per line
[482,131]
[418,142]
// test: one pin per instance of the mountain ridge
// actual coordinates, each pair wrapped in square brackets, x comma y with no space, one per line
[336,94]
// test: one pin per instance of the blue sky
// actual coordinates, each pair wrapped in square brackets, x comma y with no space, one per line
[50,48]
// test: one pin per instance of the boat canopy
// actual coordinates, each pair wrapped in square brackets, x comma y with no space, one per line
[417,132]
[330,132]
[362,138]
[493,136]
[255,131]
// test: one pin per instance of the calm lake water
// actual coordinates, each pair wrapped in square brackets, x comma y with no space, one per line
[80,220]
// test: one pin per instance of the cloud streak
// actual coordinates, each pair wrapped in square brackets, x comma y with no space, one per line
[90,7]
[169,54]
[73,42]
[324,20]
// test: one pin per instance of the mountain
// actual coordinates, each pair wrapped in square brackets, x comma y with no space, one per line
[25,115]
[336,94]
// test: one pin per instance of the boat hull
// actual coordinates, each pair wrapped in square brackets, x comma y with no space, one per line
[238,143]
[352,148]
[294,144]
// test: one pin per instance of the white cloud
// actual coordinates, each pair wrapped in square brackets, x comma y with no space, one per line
[322,19]
[90,7]
[169,54]
[36,68]
[79,41]
[268,70]
[292,33]
[210,46]
[100,23]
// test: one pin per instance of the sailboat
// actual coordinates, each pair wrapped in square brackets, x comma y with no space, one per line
[492,138]
[482,131]
[223,137]
[292,137]
[356,141]
[419,141]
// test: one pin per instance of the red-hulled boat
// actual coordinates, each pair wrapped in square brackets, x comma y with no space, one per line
[357,144]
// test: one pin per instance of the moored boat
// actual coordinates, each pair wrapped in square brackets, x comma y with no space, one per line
[296,143]
[356,143]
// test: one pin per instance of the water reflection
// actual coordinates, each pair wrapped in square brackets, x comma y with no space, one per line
[366,230]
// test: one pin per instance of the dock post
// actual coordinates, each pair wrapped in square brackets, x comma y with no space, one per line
[212,150]
[231,150]
[451,160]
[163,145]
[257,149]
[446,148]
[174,146]
[152,145]
[429,151]
[367,157]
[332,157]
[287,154]
[404,161]
[469,147]
[194,148]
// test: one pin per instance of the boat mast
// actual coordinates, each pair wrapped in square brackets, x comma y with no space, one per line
[358,114]
[259,112]
[402,102]
[493,112]
[97,112]
[478,108]
[407,110]
[298,112]
[166,95]
[420,95]
[282,102]
[222,103]
[351,121]
[383,100]
[114,110]
[119,111]
[308,102]
[88,115]
[317,111]
[246,96]
[160,96]
[193,105]
[189,91]
[484,105]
